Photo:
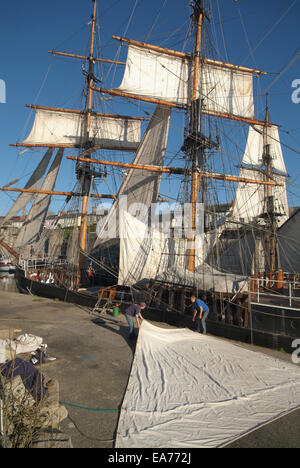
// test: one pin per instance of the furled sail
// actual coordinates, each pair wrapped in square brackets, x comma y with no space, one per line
[33,183]
[143,251]
[73,246]
[67,128]
[150,253]
[250,201]
[159,75]
[142,186]
[32,228]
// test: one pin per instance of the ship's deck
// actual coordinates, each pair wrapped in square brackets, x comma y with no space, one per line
[276,300]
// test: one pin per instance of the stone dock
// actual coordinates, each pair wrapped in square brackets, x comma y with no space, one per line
[92,366]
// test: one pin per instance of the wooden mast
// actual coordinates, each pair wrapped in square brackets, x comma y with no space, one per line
[86,183]
[271,215]
[194,127]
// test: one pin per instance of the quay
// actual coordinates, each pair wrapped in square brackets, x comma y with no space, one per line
[93,363]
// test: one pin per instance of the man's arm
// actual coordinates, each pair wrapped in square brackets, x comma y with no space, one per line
[137,317]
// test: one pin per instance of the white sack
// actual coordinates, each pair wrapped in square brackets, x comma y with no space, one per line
[5,353]
[22,344]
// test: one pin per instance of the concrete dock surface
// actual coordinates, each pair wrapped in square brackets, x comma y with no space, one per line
[93,362]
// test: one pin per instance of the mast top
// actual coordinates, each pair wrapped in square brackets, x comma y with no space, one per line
[197,6]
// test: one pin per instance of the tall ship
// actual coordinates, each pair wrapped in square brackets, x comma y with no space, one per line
[222,232]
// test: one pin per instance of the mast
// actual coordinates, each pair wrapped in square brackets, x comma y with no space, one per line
[195,123]
[270,206]
[86,176]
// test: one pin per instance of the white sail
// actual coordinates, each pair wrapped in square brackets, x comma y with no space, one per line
[152,254]
[143,252]
[33,183]
[255,148]
[142,186]
[32,228]
[226,91]
[161,76]
[67,128]
[251,199]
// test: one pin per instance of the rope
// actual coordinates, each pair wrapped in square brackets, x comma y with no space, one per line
[86,408]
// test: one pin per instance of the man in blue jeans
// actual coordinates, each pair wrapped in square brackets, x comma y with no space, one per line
[132,311]
[203,310]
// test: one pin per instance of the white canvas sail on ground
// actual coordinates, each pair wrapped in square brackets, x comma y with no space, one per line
[191,390]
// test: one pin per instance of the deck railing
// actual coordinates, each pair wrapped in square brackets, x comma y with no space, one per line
[284,288]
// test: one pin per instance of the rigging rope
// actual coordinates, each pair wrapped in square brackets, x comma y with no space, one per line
[274,25]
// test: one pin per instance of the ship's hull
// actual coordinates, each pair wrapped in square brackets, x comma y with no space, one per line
[259,332]
[49,291]
[265,334]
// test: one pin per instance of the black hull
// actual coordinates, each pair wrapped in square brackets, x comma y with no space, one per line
[272,332]
[257,337]
[50,291]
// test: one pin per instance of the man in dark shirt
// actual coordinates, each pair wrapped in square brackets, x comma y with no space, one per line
[132,311]
[203,310]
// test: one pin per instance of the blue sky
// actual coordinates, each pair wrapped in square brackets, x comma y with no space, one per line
[262,34]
